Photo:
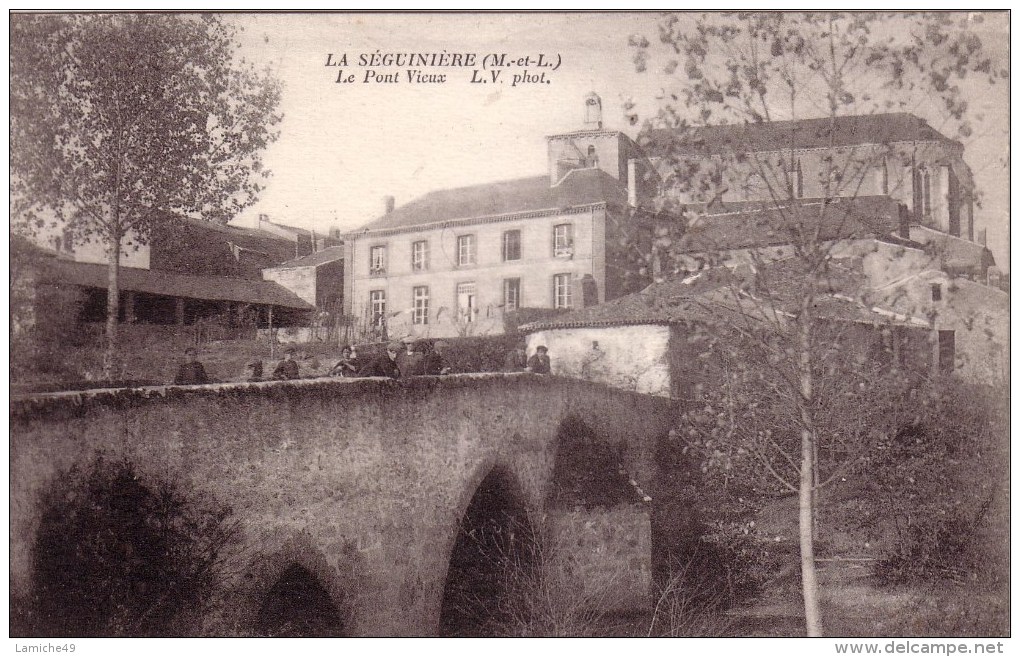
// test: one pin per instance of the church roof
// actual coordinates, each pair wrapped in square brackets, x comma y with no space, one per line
[761,225]
[802,134]
[579,187]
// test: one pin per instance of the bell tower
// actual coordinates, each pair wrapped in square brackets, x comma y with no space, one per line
[592,111]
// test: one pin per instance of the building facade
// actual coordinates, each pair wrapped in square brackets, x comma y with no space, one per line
[895,155]
[456,262]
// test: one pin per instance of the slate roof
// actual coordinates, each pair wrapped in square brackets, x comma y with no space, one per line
[210,288]
[801,134]
[760,225]
[330,254]
[579,187]
[719,295]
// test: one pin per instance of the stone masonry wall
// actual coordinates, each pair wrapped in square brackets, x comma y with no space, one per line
[362,482]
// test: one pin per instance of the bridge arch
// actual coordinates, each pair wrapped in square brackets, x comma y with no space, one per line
[297,590]
[492,551]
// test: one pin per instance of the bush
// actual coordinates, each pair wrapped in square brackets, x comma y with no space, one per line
[703,528]
[46,345]
[117,556]
[933,480]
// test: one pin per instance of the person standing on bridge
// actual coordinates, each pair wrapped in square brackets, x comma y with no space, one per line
[409,362]
[517,359]
[288,367]
[348,365]
[384,365]
[539,362]
[191,372]
[434,365]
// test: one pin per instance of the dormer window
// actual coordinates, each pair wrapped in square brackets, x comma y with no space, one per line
[563,241]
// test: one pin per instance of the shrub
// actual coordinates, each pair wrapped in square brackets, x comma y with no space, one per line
[933,480]
[688,605]
[703,528]
[118,556]
[524,586]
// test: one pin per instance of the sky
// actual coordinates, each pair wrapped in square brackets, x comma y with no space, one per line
[345,146]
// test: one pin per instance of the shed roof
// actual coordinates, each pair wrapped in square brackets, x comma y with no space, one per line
[210,288]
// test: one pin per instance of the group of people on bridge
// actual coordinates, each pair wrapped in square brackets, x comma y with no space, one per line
[400,360]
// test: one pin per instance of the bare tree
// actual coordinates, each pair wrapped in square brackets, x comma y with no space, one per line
[787,88]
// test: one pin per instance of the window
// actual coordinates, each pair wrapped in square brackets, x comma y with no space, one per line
[593,159]
[419,256]
[421,305]
[795,181]
[466,306]
[882,177]
[511,293]
[377,301]
[936,292]
[512,245]
[465,250]
[926,193]
[563,240]
[377,260]
[561,291]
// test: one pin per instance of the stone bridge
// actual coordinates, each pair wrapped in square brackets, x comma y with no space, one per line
[362,483]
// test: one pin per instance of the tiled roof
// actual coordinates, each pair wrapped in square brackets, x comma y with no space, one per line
[211,288]
[868,216]
[226,229]
[579,187]
[782,135]
[330,254]
[719,295]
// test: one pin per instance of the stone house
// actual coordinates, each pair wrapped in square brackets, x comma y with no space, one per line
[648,341]
[973,315]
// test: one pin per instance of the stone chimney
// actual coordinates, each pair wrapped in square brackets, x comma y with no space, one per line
[388,204]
